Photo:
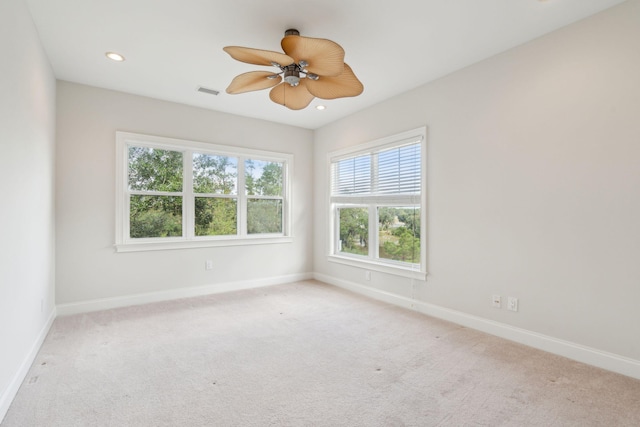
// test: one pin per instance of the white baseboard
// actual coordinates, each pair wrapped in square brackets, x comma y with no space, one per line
[150,297]
[10,393]
[591,356]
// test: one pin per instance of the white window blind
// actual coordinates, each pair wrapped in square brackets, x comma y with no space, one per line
[352,176]
[387,171]
[399,170]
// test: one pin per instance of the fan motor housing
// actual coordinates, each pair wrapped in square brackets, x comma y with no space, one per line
[292,74]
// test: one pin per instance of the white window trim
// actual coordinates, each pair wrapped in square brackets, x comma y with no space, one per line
[123,243]
[412,271]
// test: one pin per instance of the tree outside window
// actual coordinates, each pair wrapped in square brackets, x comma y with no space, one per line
[177,194]
[264,189]
[215,185]
[354,230]
[155,180]
[399,234]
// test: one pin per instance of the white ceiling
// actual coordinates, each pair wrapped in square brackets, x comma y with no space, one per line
[174,46]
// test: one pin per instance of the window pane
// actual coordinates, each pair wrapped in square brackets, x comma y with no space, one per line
[214,174]
[354,230]
[155,216]
[264,216]
[151,169]
[216,216]
[352,176]
[263,178]
[399,233]
[399,170]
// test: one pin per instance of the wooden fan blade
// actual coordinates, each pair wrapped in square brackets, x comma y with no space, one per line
[253,80]
[292,97]
[325,58]
[258,56]
[344,85]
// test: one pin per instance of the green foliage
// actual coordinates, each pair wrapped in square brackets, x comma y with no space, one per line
[386,217]
[155,216]
[405,248]
[354,230]
[264,216]
[410,217]
[399,233]
[263,178]
[162,170]
[155,170]
[398,227]
[216,216]
[214,174]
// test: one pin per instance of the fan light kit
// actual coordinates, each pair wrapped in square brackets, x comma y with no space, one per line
[309,68]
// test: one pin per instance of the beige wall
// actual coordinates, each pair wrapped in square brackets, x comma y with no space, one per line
[534,184]
[88,267]
[27,120]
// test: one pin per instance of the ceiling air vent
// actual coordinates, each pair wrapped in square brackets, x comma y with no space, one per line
[207,90]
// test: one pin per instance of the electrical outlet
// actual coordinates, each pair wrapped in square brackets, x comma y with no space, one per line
[208,265]
[512,304]
[497,301]
[367,275]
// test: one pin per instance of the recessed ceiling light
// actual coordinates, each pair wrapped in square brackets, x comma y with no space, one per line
[114,56]
[320,107]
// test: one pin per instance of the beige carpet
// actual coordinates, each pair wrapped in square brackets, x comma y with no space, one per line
[304,354]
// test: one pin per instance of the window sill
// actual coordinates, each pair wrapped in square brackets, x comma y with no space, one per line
[378,266]
[194,244]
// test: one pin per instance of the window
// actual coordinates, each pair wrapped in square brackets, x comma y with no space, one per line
[180,194]
[377,202]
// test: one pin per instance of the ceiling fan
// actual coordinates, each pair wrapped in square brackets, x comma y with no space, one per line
[309,68]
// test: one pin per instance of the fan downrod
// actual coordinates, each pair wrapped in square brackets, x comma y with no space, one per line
[291,73]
